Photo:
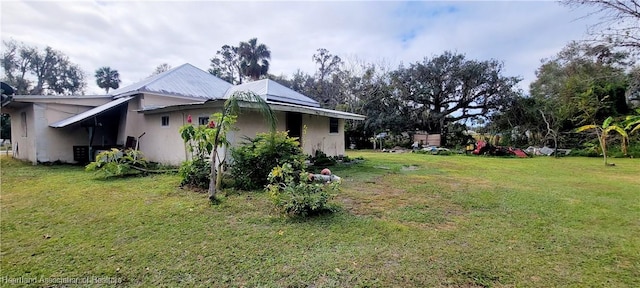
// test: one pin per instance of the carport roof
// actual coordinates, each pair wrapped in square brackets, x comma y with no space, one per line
[90,113]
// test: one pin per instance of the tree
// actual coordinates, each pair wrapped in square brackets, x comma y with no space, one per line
[36,72]
[449,88]
[602,133]
[254,59]
[226,65]
[229,111]
[582,84]
[107,78]
[327,91]
[618,21]
[161,68]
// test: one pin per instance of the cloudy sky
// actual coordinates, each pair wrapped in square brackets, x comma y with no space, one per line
[136,36]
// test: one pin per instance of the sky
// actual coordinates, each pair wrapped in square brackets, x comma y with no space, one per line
[134,37]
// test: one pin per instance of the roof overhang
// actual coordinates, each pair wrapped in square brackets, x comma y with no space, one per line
[91,113]
[276,106]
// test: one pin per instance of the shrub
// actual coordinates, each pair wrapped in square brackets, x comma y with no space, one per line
[116,163]
[320,159]
[290,192]
[195,173]
[253,160]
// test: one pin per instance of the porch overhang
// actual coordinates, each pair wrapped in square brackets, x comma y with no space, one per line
[91,113]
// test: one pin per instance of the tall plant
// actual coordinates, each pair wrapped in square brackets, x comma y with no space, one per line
[203,142]
[602,132]
[230,111]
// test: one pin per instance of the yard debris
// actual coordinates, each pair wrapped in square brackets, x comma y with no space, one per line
[484,148]
[325,176]
[538,151]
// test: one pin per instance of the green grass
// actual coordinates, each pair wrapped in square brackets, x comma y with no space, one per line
[407,221]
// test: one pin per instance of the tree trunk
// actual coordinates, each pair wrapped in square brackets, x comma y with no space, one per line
[213,177]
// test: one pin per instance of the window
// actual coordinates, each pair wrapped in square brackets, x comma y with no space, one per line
[165,121]
[23,123]
[203,120]
[333,125]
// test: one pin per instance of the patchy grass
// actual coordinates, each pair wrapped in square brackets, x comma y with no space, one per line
[407,221]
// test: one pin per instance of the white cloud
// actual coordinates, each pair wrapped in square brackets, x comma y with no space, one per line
[135,37]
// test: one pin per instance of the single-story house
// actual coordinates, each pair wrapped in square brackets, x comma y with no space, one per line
[148,114]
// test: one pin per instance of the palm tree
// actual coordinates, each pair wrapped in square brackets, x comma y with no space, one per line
[603,132]
[254,59]
[107,78]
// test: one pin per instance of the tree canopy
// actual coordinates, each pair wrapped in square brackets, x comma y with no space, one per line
[106,78]
[40,72]
[248,60]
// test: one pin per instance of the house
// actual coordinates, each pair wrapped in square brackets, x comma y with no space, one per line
[148,114]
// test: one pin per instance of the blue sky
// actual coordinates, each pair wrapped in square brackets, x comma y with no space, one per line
[136,36]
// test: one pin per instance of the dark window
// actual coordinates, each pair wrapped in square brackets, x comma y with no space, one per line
[333,125]
[165,120]
[203,120]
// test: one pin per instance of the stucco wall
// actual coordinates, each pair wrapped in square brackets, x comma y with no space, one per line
[56,144]
[317,136]
[155,100]
[23,142]
[164,145]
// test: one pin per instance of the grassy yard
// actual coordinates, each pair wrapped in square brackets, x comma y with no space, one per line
[407,221]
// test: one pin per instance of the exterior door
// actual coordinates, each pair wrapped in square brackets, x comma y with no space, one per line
[294,125]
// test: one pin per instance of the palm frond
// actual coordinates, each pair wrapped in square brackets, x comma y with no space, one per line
[586,127]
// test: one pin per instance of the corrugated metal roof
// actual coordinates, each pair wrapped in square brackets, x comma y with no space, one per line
[90,113]
[273,91]
[185,80]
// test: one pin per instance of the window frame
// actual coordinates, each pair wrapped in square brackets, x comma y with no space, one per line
[162,122]
[335,125]
[200,120]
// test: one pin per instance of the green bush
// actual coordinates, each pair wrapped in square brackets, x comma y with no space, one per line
[116,163]
[320,159]
[253,160]
[290,192]
[195,173]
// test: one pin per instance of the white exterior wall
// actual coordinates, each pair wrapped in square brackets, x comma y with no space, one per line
[56,144]
[150,100]
[317,136]
[43,143]
[23,143]
[163,143]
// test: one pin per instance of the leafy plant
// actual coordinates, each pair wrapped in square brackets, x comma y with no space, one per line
[294,196]
[632,122]
[320,159]
[602,133]
[195,173]
[253,160]
[116,163]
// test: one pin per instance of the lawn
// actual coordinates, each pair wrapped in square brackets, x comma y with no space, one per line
[406,221]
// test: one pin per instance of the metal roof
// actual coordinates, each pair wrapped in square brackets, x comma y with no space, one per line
[90,113]
[273,91]
[185,80]
[276,106]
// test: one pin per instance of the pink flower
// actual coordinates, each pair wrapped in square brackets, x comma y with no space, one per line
[189,119]
[212,124]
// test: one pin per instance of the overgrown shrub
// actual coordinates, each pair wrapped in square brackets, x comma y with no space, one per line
[294,196]
[195,173]
[320,159]
[254,159]
[116,163]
